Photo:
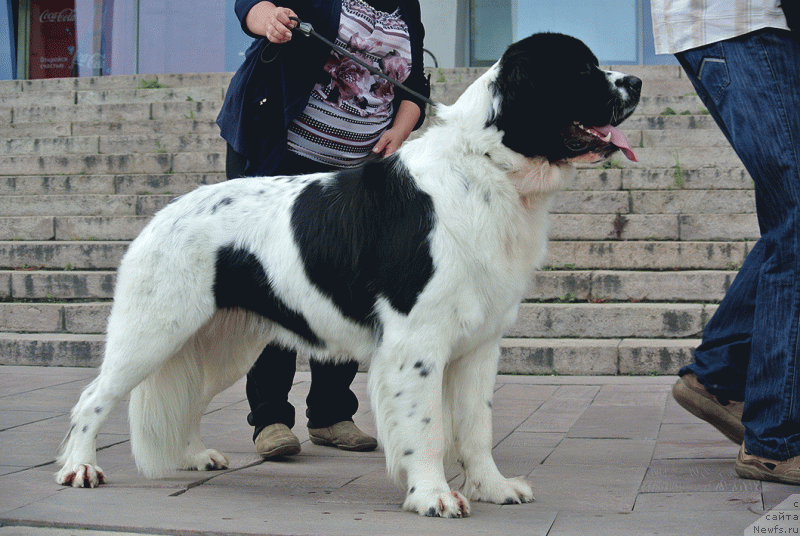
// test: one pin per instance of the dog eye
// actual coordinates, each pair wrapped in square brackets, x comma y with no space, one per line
[586,70]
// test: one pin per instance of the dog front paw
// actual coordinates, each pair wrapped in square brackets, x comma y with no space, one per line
[435,502]
[500,491]
[206,460]
[81,476]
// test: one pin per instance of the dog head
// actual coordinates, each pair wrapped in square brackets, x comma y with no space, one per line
[553,101]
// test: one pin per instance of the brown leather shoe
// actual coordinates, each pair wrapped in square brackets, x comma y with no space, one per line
[693,397]
[756,468]
[276,440]
[344,435]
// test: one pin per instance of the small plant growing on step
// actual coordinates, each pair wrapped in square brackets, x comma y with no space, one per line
[677,173]
[668,111]
[150,84]
[611,164]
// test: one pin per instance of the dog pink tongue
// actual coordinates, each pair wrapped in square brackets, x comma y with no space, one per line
[619,140]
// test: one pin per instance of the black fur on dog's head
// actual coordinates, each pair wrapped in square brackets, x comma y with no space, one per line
[556,102]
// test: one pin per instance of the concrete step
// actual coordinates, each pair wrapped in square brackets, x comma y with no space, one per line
[519,356]
[110,113]
[573,254]
[680,158]
[156,141]
[654,202]
[61,318]
[109,144]
[101,83]
[642,255]
[578,320]
[616,286]
[72,228]
[51,349]
[622,226]
[123,184]
[73,205]
[64,98]
[568,286]
[670,122]
[654,227]
[611,320]
[654,178]
[150,127]
[588,179]
[595,356]
[111,164]
[727,202]
[49,255]
[671,178]
[669,105]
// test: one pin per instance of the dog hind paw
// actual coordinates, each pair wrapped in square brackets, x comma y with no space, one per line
[435,503]
[501,491]
[81,476]
[206,460]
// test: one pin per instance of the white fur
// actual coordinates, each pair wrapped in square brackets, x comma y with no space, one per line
[169,345]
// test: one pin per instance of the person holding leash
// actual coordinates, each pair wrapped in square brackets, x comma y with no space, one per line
[744,61]
[295,106]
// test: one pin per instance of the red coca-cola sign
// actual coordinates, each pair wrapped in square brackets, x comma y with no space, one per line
[53,39]
[65,15]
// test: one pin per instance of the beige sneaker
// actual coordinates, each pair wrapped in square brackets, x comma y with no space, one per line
[344,435]
[693,397]
[755,468]
[276,440]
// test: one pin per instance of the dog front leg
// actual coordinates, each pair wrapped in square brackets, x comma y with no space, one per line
[468,390]
[407,399]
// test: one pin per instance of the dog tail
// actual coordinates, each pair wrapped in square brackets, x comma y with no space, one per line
[161,412]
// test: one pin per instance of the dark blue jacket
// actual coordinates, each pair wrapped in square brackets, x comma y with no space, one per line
[274,83]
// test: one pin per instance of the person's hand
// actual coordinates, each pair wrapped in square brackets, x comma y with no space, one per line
[390,141]
[271,21]
[404,122]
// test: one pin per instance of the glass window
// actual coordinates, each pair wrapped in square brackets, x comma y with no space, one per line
[490,30]
[610,28]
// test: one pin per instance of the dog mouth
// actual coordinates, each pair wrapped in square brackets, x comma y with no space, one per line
[596,143]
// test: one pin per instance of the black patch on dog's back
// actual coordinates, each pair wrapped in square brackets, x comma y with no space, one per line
[241,281]
[366,234]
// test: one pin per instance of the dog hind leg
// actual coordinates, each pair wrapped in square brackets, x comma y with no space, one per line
[123,368]
[468,389]
[166,409]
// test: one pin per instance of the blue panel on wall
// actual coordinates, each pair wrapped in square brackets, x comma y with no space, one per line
[8,49]
[610,28]
[236,41]
[650,56]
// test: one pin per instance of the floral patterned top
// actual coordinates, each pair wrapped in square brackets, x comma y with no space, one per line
[346,116]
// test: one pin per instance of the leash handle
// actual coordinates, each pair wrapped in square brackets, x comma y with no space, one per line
[307,29]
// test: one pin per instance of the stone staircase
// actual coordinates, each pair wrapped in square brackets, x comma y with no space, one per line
[640,253]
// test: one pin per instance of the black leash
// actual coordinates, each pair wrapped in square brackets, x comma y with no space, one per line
[306,29]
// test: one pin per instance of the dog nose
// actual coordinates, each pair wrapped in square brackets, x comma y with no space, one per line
[633,83]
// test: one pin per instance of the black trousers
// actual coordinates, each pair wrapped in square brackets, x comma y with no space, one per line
[269,381]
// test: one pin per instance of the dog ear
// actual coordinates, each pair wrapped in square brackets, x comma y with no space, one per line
[526,114]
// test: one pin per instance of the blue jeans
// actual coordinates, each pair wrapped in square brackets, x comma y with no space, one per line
[751,86]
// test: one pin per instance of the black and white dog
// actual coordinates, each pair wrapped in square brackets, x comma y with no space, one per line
[415,264]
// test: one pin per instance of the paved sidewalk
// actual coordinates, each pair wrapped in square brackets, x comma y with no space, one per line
[606,456]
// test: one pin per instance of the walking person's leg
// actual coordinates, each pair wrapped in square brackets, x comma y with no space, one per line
[751,86]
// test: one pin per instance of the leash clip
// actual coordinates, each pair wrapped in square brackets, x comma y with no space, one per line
[303,27]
